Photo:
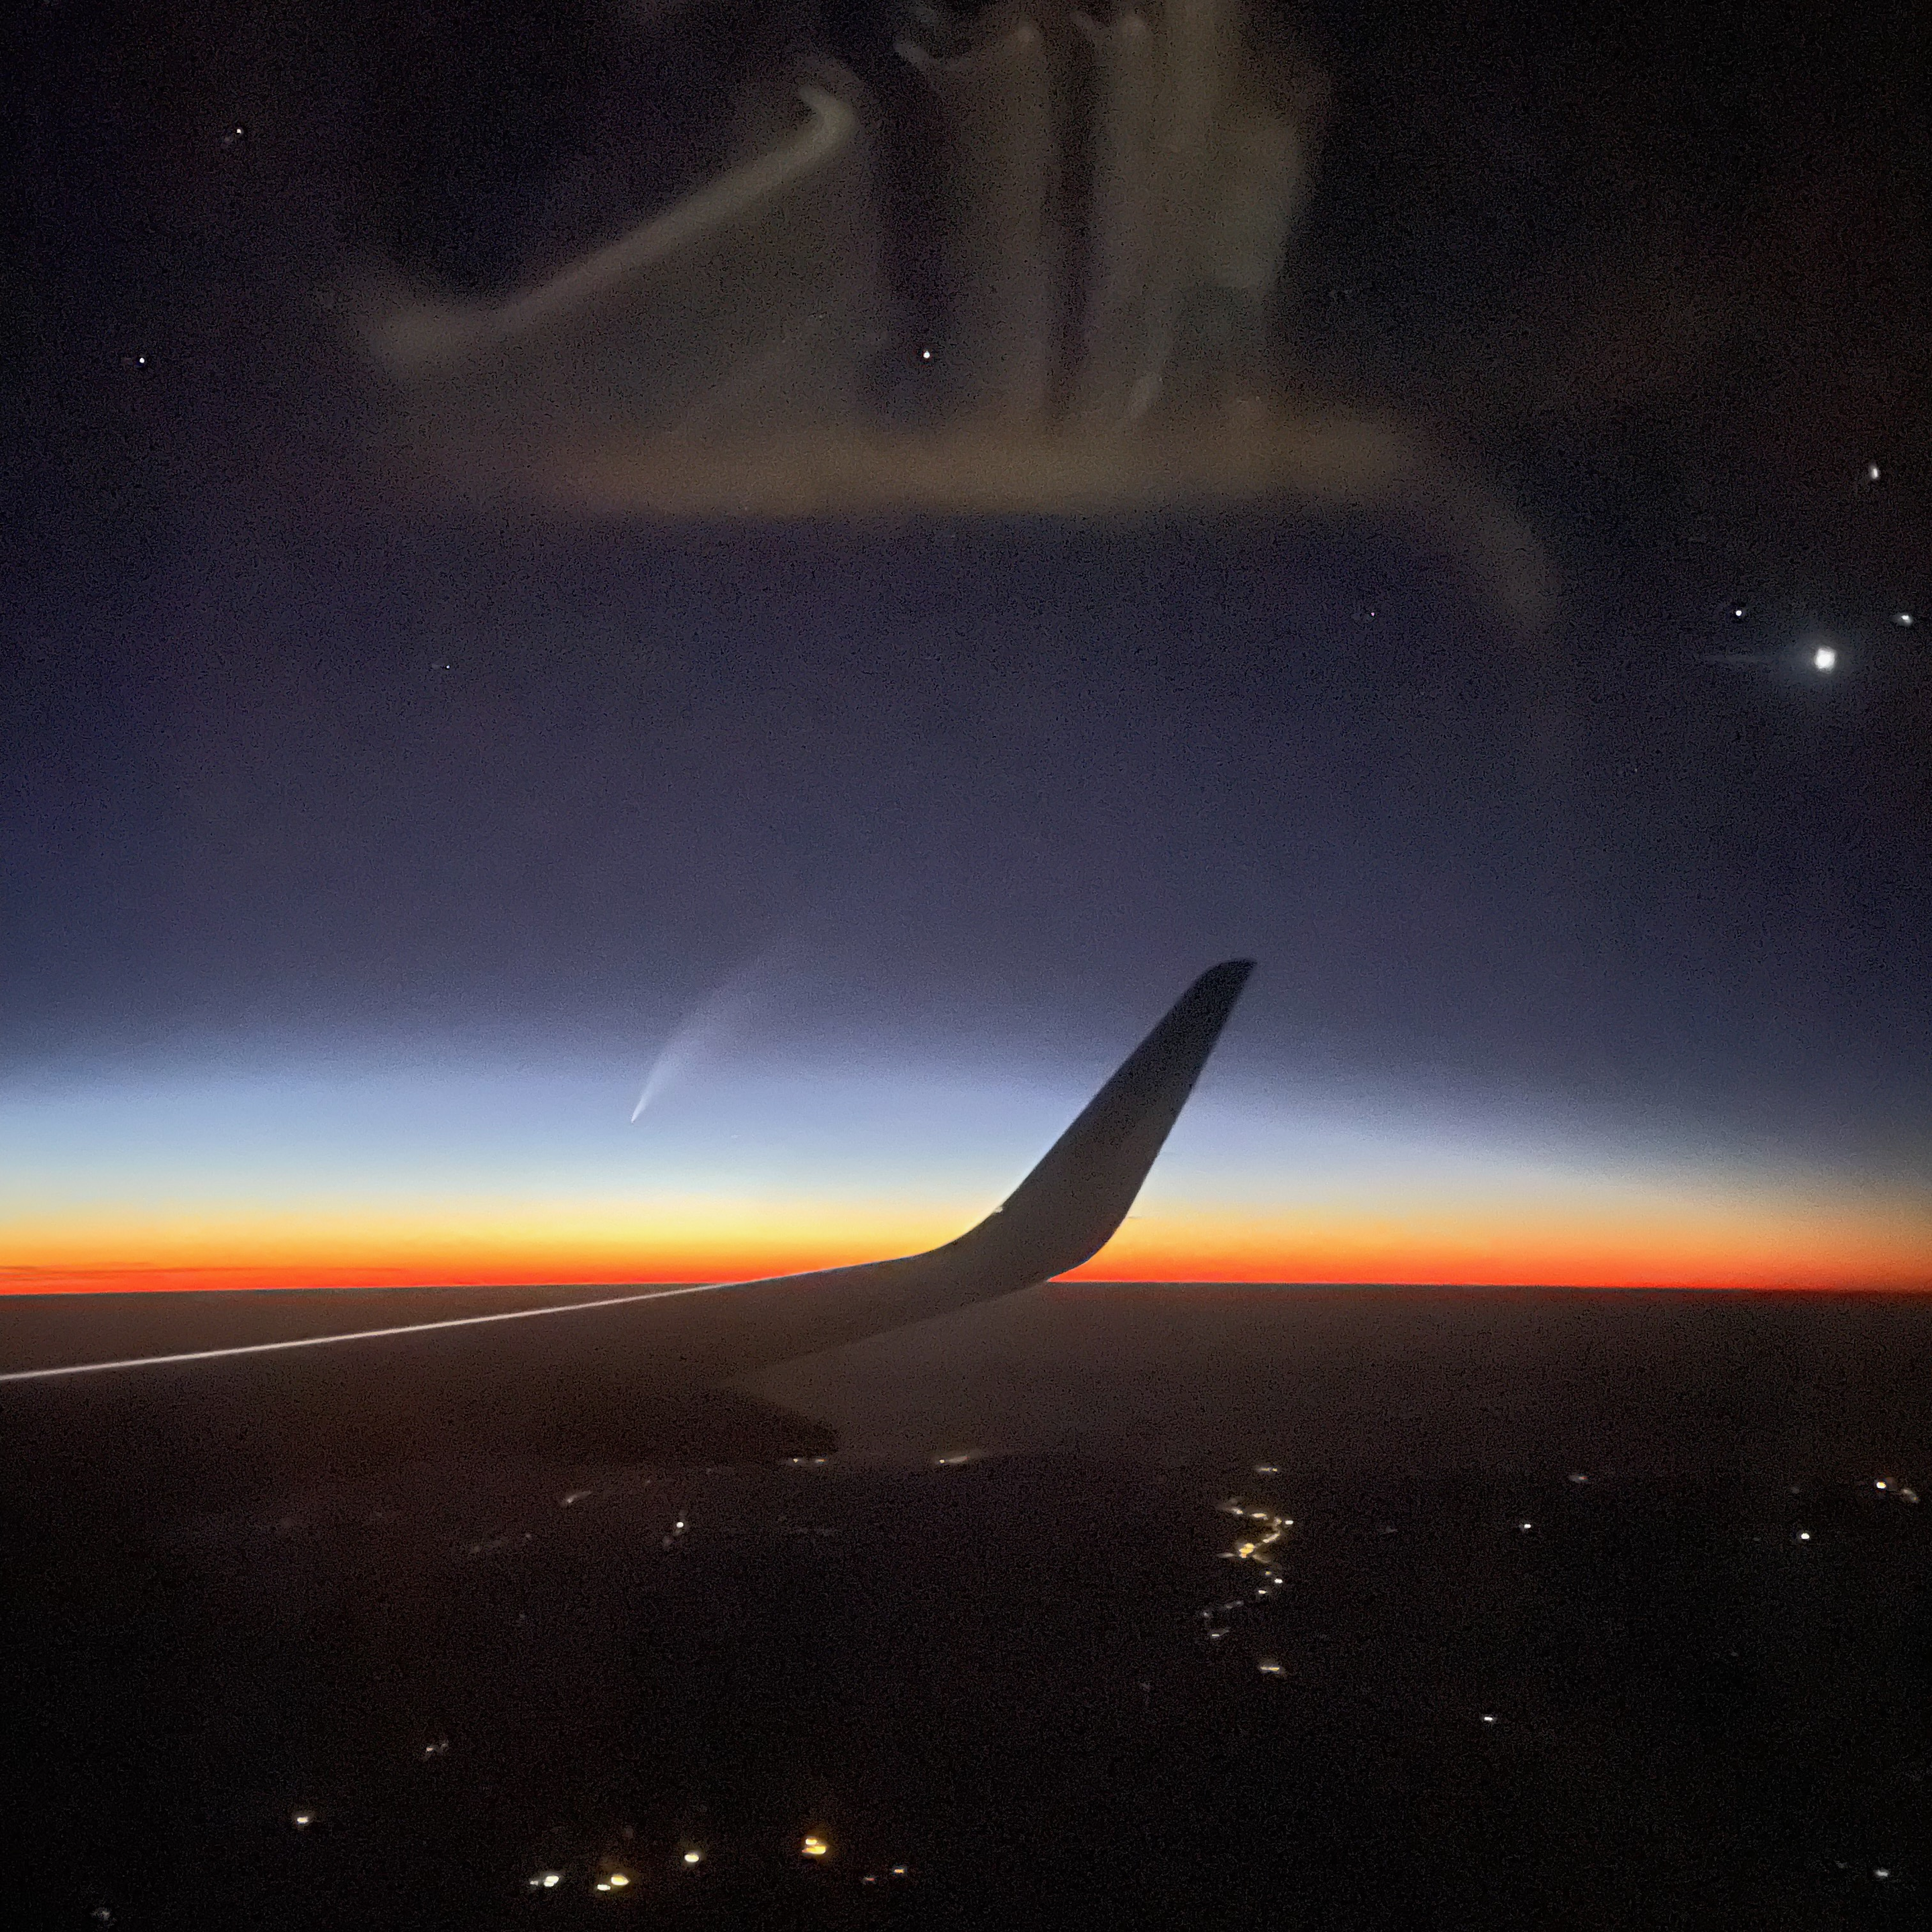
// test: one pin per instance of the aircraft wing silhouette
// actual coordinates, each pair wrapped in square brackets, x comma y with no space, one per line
[1062,1214]
[577,1379]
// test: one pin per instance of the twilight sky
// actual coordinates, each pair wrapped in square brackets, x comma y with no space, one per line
[365,854]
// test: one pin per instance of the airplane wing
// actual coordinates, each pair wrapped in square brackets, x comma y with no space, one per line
[574,1379]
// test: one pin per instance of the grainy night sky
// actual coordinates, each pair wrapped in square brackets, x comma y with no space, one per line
[365,849]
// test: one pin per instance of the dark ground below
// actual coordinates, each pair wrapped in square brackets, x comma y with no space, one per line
[1595,1611]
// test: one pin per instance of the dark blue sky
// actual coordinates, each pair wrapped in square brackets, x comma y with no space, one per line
[506,778]
[291,759]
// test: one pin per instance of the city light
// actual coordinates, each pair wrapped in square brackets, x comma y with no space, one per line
[814,1846]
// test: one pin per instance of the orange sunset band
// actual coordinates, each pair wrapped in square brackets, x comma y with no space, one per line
[1874,1244]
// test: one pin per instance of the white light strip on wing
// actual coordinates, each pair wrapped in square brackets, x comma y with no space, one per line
[361,1335]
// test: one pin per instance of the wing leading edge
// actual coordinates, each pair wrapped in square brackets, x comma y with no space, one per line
[1062,1214]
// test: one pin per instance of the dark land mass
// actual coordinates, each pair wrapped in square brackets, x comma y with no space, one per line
[1594,1610]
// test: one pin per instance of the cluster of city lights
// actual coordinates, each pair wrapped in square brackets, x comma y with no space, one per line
[815,1847]
[609,1879]
[1257,1545]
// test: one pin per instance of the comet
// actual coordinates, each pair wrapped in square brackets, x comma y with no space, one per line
[720,1017]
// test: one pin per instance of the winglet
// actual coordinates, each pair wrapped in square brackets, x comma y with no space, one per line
[1066,1210]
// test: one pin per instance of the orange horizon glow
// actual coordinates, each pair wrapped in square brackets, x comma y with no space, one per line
[1140,1264]
[326,1177]
[240,1280]
[1692,1251]
[1746,1235]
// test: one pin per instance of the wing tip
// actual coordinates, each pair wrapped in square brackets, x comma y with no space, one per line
[1068,1207]
[1231,974]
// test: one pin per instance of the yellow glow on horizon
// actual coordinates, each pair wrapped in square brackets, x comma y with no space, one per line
[460,1243]
[1730,1238]
[1714,1242]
